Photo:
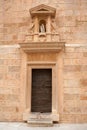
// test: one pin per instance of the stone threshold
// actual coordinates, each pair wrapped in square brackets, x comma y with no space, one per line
[40,122]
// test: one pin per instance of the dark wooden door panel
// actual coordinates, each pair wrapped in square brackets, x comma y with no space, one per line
[41,90]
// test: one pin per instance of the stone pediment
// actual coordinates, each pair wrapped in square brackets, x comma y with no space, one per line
[43,9]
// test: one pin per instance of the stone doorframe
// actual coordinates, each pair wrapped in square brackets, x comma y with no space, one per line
[57,84]
[42,66]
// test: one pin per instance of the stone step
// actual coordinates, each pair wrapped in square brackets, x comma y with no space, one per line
[40,122]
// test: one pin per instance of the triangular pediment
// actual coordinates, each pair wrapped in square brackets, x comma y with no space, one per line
[43,9]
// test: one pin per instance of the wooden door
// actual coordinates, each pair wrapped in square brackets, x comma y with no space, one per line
[41,100]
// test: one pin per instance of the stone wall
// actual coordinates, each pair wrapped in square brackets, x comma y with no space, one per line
[75,84]
[71,21]
[15,20]
[9,83]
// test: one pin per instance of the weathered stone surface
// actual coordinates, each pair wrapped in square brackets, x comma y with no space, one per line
[72,68]
[70,75]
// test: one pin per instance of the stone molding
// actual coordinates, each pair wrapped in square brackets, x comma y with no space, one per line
[66,45]
[10,46]
[42,47]
[42,9]
[76,45]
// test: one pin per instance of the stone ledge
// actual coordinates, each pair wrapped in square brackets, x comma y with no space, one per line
[40,122]
[76,45]
[42,46]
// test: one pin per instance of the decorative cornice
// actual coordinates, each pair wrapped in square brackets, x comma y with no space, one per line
[42,46]
[66,45]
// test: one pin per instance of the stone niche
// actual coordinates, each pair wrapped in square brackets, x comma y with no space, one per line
[43,26]
[42,52]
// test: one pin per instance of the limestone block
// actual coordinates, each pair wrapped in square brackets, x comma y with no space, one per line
[1,18]
[11,62]
[84,74]
[72,110]
[3,69]
[83,1]
[2,61]
[1,37]
[84,9]
[12,97]
[71,96]
[66,36]
[83,90]
[71,90]
[1,76]
[73,118]
[80,35]
[67,21]
[67,118]
[74,55]
[83,82]
[12,76]
[72,75]
[72,68]
[84,98]
[12,83]
[13,68]
[83,18]
[63,6]
[65,1]
[66,29]
[72,83]
[84,61]
[85,54]
[83,104]
[81,49]
[72,61]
